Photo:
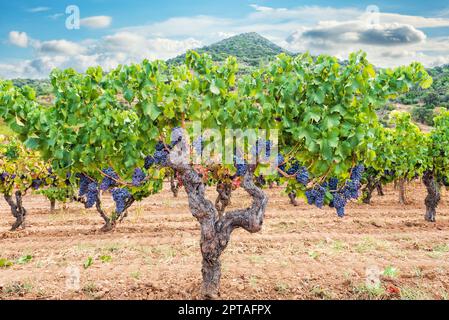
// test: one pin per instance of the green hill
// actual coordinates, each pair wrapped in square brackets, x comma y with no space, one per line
[250,49]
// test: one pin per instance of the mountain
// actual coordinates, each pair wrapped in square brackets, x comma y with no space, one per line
[249,48]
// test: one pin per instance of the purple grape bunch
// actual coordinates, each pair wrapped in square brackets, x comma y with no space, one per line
[177,135]
[83,184]
[37,183]
[241,166]
[198,145]
[120,196]
[259,147]
[302,176]
[138,177]
[109,180]
[92,194]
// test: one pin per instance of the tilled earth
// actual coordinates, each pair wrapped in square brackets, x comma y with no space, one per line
[380,251]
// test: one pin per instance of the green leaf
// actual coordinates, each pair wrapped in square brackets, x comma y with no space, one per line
[214,89]
[89,261]
[151,110]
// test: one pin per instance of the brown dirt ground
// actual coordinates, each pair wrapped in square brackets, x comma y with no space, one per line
[301,253]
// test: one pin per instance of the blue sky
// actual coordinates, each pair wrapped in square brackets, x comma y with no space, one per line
[34,38]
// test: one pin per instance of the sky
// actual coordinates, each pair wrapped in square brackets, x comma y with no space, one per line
[39,35]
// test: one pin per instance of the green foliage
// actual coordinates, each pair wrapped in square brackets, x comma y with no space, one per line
[423,114]
[24,259]
[89,262]
[5,263]
[439,146]
[19,165]
[41,87]
[402,150]
[324,111]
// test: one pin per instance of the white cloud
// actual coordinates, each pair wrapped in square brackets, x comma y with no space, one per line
[96,22]
[39,9]
[57,47]
[395,39]
[56,16]
[339,33]
[18,38]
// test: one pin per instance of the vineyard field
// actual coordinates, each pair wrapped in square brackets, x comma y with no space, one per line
[301,252]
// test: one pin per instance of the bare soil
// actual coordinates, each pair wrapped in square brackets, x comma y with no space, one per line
[301,253]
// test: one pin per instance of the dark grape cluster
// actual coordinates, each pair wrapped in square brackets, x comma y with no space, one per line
[84,184]
[340,197]
[262,144]
[138,177]
[339,203]
[302,176]
[177,135]
[356,172]
[149,161]
[280,163]
[316,196]
[198,145]
[37,183]
[240,165]
[333,184]
[4,176]
[160,157]
[294,168]
[120,195]
[109,181]
[92,194]
[351,190]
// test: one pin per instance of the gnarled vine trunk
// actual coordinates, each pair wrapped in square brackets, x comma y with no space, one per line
[223,200]
[292,197]
[433,196]
[174,185]
[52,205]
[111,222]
[215,230]
[402,196]
[380,191]
[368,190]
[17,209]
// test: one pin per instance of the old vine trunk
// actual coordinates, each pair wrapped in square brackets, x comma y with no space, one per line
[215,229]
[433,196]
[17,209]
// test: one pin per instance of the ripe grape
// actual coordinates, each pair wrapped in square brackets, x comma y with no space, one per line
[293,169]
[339,202]
[36,183]
[177,134]
[280,163]
[333,183]
[160,157]
[84,184]
[108,180]
[138,177]
[120,195]
[302,176]
[149,161]
[260,145]
[198,145]
[160,146]
[3,176]
[240,165]
[319,198]
[356,173]
[92,193]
